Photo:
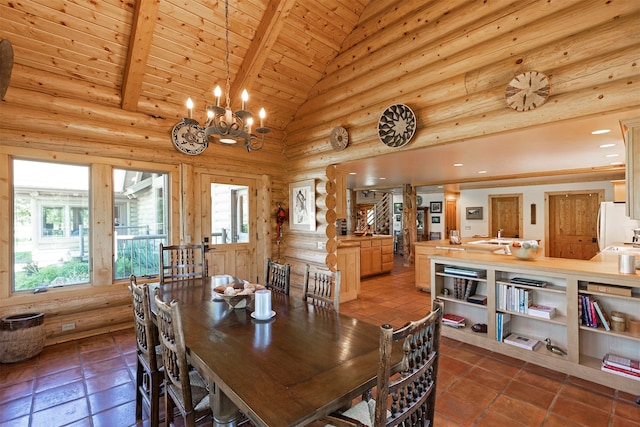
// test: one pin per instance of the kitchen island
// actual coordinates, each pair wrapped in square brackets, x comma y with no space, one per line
[423,250]
[566,281]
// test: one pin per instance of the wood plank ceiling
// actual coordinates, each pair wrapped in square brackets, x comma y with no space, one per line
[149,56]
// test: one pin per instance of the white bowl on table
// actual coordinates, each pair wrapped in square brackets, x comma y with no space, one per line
[526,250]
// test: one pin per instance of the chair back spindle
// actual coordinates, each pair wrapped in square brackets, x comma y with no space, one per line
[277,277]
[322,287]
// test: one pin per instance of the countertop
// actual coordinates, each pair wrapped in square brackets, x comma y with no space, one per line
[602,267]
[466,245]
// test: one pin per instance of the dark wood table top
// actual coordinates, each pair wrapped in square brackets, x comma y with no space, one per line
[302,364]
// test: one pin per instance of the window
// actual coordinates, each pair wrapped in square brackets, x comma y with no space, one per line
[229,213]
[140,221]
[50,206]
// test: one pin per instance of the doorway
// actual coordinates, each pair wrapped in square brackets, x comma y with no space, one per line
[572,224]
[505,211]
[228,221]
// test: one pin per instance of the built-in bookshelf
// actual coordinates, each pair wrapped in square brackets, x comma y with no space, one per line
[547,283]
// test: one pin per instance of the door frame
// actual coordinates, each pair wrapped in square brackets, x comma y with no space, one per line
[520,212]
[259,213]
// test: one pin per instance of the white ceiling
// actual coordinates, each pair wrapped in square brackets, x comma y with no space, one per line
[560,151]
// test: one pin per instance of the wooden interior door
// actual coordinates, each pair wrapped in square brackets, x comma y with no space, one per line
[572,224]
[505,213]
[450,216]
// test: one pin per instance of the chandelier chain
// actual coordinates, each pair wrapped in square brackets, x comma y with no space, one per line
[226,27]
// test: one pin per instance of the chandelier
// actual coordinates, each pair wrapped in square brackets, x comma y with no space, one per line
[222,125]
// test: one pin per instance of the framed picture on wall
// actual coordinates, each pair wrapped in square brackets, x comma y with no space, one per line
[302,205]
[435,220]
[435,207]
[397,208]
[474,212]
[398,218]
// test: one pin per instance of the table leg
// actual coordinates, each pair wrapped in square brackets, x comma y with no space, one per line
[225,412]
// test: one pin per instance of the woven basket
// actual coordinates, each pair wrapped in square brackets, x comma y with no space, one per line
[21,337]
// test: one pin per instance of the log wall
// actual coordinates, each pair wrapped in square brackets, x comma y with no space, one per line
[451,62]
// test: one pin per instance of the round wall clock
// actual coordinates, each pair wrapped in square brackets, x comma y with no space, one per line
[419,200]
[339,138]
[527,91]
[396,126]
[188,137]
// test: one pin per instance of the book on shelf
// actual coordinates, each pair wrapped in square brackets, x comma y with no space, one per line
[609,289]
[478,299]
[543,311]
[528,282]
[621,372]
[452,319]
[503,325]
[588,312]
[468,272]
[602,315]
[522,341]
[621,362]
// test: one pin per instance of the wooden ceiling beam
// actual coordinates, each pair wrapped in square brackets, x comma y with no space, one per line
[266,35]
[144,21]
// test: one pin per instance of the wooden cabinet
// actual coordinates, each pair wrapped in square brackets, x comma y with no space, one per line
[376,256]
[349,266]
[565,281]
[423,266]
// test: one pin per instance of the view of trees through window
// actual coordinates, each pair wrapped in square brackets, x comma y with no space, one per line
[52,227]
[50,223]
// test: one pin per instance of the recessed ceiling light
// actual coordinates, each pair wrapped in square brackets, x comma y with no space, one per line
[600,131]
[382,177]
[482,171]
[612,155]
[352,173]
[616,163]
[458,164]
[607,145]
[440,186]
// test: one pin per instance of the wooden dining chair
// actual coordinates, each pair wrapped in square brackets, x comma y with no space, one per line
[184,387]
[181,262]
[149,374]
[409,391]
[322,287]
[277,276]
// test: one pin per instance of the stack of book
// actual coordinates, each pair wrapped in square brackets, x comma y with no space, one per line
[592,312]
[467,272]
[543,311]
[623,366]
[453,320]
[522,341]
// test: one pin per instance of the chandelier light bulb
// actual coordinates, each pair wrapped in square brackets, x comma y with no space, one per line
[245,98]
[189,106]
[217,92]
[262,115]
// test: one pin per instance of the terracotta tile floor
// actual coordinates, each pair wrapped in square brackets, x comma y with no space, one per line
[90,382]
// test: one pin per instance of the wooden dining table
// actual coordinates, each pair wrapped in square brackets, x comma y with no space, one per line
[291,370]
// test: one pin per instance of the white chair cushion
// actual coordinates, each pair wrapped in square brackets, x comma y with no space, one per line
[363,411]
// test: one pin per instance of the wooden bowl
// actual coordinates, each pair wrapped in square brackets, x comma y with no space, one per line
[238,301]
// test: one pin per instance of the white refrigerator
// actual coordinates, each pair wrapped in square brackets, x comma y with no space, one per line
[613,225]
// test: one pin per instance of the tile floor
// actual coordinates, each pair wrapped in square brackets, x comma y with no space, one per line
[90,382]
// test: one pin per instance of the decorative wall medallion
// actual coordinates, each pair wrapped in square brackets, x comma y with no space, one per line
[188,137]
[527,91]
[397,125]
[339,138]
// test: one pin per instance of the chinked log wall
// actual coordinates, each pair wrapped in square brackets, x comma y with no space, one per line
[83,131]
[451,62]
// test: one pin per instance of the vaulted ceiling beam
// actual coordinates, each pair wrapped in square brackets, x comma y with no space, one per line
[266,35]
[144,21]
